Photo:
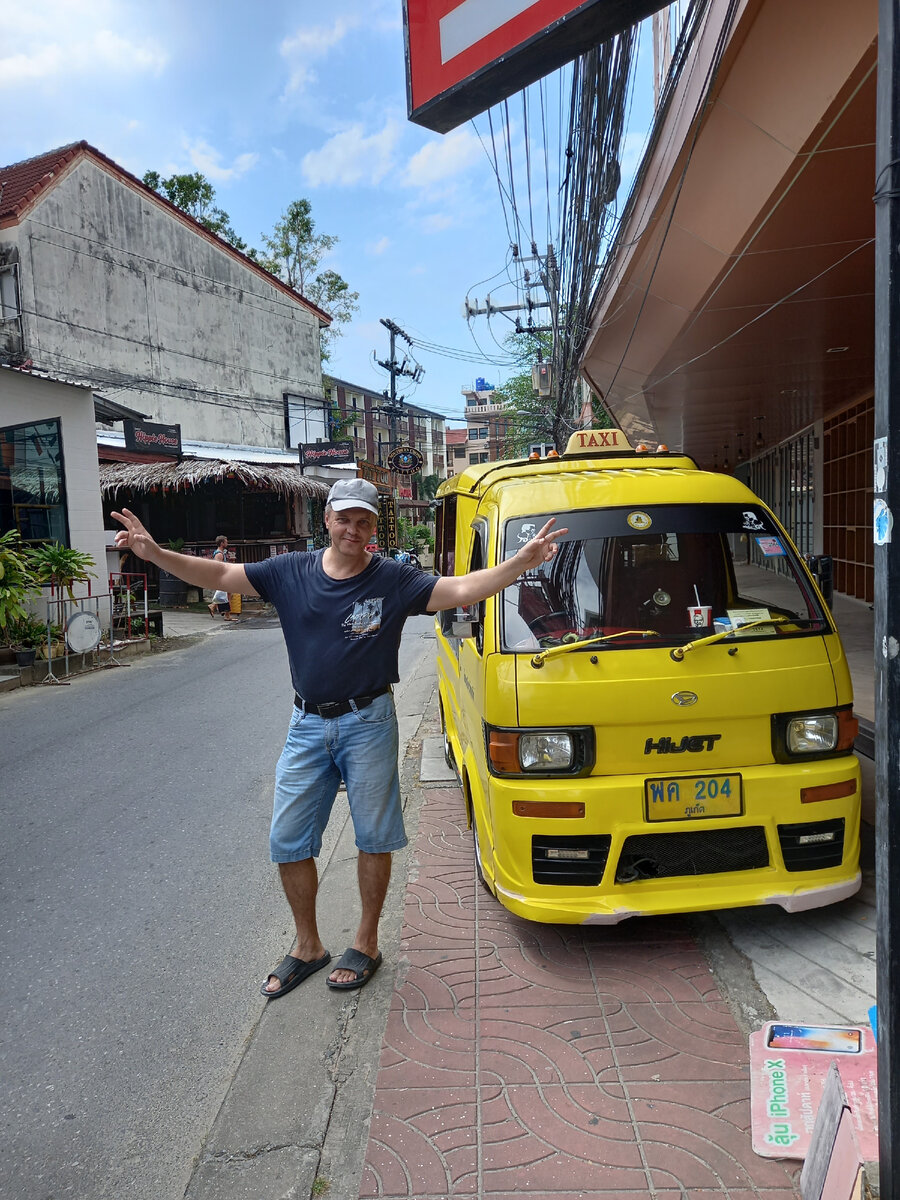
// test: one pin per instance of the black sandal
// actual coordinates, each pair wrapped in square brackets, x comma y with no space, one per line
[291,971]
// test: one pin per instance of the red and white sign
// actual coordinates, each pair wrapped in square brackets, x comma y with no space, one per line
[462,56]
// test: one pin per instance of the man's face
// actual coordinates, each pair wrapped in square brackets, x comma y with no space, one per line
[350,529]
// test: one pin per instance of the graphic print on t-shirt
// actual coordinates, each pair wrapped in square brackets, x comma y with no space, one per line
[365,620]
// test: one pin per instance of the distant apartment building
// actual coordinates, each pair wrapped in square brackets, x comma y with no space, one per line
[486,432]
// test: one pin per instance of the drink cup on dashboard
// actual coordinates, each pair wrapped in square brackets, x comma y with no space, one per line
[700,616]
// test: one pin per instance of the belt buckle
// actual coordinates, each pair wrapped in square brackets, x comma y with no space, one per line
[330,711]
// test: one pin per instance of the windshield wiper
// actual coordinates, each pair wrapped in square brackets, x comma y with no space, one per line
[541,657]
[677,653]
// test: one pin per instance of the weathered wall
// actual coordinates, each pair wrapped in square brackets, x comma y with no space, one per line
[117,290]
[28,398]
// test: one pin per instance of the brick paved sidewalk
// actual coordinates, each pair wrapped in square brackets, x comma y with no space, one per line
[557,1061]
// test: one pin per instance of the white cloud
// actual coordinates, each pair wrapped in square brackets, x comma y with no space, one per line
[380,246]
[438,222]
[443,159]
[307,45]
[352,156]
[207,160]
[60,39]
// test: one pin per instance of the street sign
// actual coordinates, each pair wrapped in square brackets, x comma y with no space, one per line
[405,460]
[462,56]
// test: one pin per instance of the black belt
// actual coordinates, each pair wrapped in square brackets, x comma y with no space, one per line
[337,708]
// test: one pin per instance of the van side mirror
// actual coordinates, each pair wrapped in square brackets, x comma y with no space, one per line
[460,622]
[822,567]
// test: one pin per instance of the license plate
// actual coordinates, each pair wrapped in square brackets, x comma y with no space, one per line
[693,798]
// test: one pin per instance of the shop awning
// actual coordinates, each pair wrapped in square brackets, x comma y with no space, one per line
[286,480]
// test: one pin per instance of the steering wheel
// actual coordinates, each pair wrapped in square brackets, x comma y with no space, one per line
[535,625]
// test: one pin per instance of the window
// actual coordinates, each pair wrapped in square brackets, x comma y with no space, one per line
[483,458]
[640,589]
[9,298]
[459,452]
[482,433]
[445,537]
[307,420]
[32,482]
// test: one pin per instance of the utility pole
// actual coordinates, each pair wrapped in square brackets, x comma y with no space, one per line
[887,592]
[393,406]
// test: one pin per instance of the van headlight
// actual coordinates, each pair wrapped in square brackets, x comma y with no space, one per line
[539,751]
[813,734]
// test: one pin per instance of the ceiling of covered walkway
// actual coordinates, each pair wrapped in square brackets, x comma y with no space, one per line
[740,304]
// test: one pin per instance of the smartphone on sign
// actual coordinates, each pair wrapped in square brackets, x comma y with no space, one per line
[833,1039]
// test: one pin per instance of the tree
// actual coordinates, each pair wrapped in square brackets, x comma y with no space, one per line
[196,196]
[533,418]
[295,251]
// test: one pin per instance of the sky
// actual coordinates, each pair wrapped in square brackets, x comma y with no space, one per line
[277,100]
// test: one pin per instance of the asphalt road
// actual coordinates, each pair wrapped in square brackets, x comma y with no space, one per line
[140,911]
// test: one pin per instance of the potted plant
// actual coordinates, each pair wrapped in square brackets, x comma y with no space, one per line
[61,566]
[26,635]
[17,581]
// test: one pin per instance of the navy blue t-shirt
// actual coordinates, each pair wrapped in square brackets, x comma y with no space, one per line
[342,635]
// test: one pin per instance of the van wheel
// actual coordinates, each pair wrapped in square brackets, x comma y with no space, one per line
[478,871]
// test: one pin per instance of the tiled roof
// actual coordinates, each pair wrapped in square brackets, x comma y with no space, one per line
[20,182]
[456,437]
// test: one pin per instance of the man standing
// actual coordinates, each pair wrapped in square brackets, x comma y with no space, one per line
[342,612]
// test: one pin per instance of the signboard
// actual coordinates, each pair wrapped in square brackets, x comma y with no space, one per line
[387,523]
[788,1068]
[462,56]
[405,460]
[328,454]
[147,438]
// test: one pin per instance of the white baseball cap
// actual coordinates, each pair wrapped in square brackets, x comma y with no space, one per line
[353,493]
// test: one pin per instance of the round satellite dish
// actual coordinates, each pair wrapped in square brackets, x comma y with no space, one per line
[83,632]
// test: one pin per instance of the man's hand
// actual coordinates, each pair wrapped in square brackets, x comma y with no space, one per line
[541,548]
[134,536]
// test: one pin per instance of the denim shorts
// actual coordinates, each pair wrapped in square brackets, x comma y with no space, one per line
[359,747]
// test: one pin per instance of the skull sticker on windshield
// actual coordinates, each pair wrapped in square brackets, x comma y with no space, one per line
[752,521]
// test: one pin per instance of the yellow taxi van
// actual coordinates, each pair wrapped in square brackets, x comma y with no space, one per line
[658,720]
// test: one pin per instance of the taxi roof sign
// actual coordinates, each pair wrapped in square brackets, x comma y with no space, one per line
[598,441]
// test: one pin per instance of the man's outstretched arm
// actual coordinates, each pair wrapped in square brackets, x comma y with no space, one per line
[209,573]
[453,591]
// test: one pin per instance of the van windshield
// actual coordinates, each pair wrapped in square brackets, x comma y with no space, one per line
[680,571]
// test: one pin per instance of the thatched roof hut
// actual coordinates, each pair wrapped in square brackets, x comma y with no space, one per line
[283,479]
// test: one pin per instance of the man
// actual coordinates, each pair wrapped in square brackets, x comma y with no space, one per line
[342,612]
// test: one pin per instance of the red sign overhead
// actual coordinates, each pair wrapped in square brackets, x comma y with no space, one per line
[462,56]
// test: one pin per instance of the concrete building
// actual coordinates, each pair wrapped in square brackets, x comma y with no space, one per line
[487,424]
[49,475]
[104,281]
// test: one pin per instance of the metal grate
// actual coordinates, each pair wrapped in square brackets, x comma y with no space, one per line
[800,855]
[705,852]
[569,872]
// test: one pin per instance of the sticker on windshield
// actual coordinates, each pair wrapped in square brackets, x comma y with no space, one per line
[770,546]
[639,520]
[752,521]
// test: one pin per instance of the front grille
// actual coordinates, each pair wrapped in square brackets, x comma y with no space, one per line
[815,855]
[705,852]
[569,872]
